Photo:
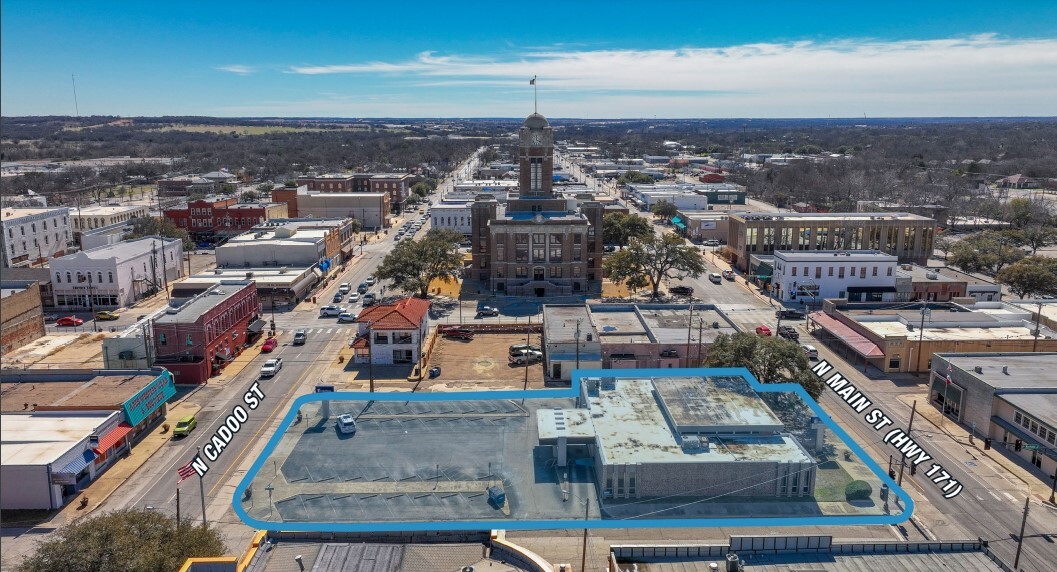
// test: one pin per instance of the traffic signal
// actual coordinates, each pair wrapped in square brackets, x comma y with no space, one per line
[913,469]
[891,473]
[1018,445]
[987,444]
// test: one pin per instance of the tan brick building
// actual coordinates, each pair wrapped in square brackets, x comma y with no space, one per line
[22,318]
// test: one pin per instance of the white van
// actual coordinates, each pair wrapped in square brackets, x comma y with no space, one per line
[715,278]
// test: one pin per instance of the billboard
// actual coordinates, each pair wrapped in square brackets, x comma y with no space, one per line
[150,398]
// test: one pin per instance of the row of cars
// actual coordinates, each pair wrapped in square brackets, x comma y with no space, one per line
[789,332]
[411,227]
[362,295]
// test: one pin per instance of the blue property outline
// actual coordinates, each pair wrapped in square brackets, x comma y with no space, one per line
[572,392]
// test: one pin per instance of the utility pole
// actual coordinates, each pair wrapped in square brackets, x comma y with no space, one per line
[202,488]
[578,342]
[583,556]
[925,311]
[700,333]
[528,334]
[910,427]
[1038,318]
[177,506]
[689,327]
[370,356]
[1020,537]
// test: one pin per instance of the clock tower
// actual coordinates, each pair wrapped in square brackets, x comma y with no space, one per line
[536,157]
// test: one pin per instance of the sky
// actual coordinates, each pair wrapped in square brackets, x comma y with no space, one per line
[927,58]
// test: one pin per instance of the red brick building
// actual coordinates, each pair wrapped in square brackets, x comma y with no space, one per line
[396,185]
[214,217]
[198,338]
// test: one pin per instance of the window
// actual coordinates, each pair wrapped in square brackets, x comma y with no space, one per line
[58,278]
[862,272]
[402,337]
[100,278]
[190,341]
[556,253]
[852,272]
[831,271]
[840,272]
[380,338]
[577,271]
[539,238]
[556,271]
[556,238]
[874,271]
[538,254]
[577,254]
[521,272]
[578,238]
[68,278]
[889,271]
[793,269]
[110,276]
[162,339]
[1016,417]
[818,272]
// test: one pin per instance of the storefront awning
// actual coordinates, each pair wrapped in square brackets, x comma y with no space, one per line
[113,438]
[256,326]
[844,333]
[318,273]
[858,289]
[75,467]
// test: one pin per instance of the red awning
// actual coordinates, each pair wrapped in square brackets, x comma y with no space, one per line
[112,438]
[846,334]
[359,343]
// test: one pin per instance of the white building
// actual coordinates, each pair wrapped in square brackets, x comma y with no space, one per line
[858,275]
[31,235]
[396,332]
[280,246]
[116,275]
[90,218]
[454,216]
[570,341]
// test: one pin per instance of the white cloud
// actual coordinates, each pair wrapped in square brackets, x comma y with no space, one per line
[978,75]
[237,69]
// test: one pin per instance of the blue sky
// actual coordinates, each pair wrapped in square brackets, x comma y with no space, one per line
[474,59]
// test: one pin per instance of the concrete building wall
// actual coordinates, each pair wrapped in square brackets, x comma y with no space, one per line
[31,235]
[706,479]
[116,280]
[1007,412]
[269,253]
[23,316]
[25,487]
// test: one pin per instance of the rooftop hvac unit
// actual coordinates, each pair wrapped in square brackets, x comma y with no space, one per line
[932,275]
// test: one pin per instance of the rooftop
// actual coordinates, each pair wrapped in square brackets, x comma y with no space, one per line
[8,213]
[1023,371]
[104,210]
[836,255]
[41,438]
[628,415]
[837,562]
[1042,407]
[125,250]
[90,390]
[560,321]
[267,275]
[716,405]
[837,217]
[191,310]
[10,287]
[922,274]
[405,314]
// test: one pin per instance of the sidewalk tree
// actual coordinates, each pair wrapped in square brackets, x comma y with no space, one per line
[770,359]
[120,540]
[944,245]
[665,210]
[652,259]
[1030,277]
[985,252]
[421,188]
[620,228]
[151,226]
[412,264]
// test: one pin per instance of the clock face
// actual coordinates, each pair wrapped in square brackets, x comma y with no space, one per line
[536,138]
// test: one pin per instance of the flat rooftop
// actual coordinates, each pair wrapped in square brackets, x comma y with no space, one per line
[922,274]
[264,275]
[101,210]
[835,255]
[559,323]
[835,562]
[99,391]
[835,217]
[1043,407]
[129,248]
[1022,370]
[670,325]
[43,438]
[631,427]
[940,331]
[714,405]
[8,213]
[198,306]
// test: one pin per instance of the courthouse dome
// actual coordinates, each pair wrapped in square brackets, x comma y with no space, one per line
[536,121]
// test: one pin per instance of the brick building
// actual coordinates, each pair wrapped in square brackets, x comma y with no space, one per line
[544,245]
[396,185]
[185,185]
[217,217]
[200,336]
[22,320]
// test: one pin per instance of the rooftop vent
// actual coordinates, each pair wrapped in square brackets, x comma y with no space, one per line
[932,275]
[217,271]
[979,369]
[1005,369]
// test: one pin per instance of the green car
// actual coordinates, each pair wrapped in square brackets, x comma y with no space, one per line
[185,426]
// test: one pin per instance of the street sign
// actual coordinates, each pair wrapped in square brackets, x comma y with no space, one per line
[1031,447]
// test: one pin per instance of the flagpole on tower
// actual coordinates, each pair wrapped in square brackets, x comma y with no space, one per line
[535,101]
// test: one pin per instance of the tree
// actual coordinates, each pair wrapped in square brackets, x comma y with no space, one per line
[770,359]
[651,259]
[987,252]
[413,264]
[635,178]
[250,197]
[129,540]
[413,199]
[619,228]
[421,189]
[1019,212]
[1030,277]
[944,245]
[150,226]
[665,210]
[1037,236]
[228,189]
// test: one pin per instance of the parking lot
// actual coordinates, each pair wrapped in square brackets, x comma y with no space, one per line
[484,361]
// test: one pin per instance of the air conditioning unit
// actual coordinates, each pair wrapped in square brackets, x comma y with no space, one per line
[932,275]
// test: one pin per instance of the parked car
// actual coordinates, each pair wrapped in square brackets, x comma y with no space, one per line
[487,311]
[788,314]
[269,345]
[711,242]
[609,249]
[346,423]
[763,331]
[369,299]
[271,367]
[370,280]
[69,321]
[457,334]
[682,290]
[184,426]
[810,351]
[354,297]
[345,288]
[516,349]
[788,332]
[715,277]
[346,318]
[525,357]
[338,296]
[330,311]
[300,337]
[363,288]
[728,275]
[50,317]
[106,315]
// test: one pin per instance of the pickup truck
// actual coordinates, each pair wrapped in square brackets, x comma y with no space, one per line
[788,333]
[271,367]
[525,357]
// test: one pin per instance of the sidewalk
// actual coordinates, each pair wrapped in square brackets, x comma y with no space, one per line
[239,363]
[104,486]
[960,435]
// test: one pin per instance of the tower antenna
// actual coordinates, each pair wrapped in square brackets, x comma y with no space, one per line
[76,108]
[535,101]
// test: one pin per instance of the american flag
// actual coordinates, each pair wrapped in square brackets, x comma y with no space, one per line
[187,471]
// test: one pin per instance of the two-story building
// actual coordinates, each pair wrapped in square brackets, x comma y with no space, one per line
[215,217]
[90,218]
[116,275]
[392,334]
[30,236]
[856,275]
[199,336]
[372,210]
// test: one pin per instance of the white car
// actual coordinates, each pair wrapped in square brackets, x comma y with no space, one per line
[271,367]
[346,423]
[371,280]
[345,288]
[330,311]
[354,297]
[810,351]
[346,318]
